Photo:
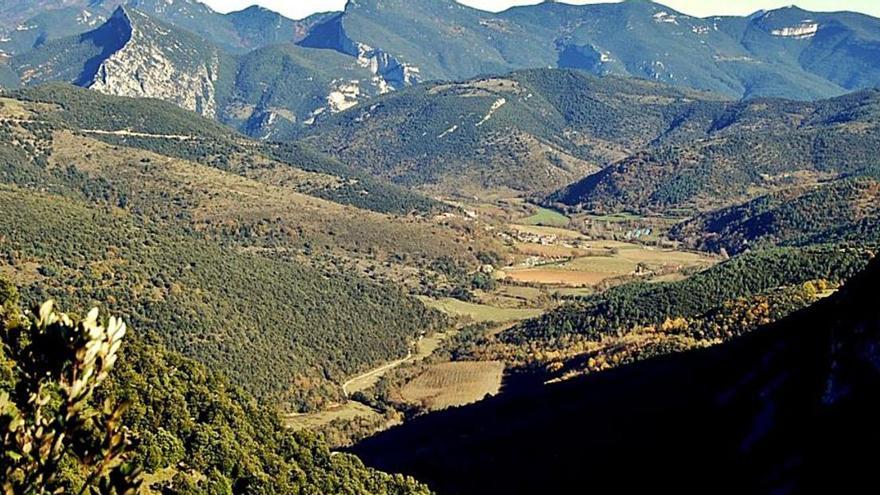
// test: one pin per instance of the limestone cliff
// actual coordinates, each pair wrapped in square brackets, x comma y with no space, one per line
[157,62]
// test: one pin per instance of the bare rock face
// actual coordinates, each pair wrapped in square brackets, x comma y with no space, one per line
[156,63]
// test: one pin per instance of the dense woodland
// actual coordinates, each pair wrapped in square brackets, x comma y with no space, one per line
[204,435]
[844,210]
[262,298]
[274,326]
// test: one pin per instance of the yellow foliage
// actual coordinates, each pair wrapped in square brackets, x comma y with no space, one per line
[678,324]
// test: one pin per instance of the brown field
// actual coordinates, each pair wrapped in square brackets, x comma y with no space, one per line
[617,259]
[454,384]
[562,277]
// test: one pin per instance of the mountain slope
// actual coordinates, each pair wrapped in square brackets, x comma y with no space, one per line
[529,131]
[207,224]
[8,77]
[375,47]
[146,123]
[652,147]
[264,93]
[134,55]
[30,24]
[844,210]
[281,88]
[788,408]
[745,148]
[430,39]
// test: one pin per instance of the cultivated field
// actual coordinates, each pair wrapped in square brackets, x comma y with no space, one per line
[549,251]
[548,218]
[558,277]
[480,313]
[454,384]
[541,230]
[598,261]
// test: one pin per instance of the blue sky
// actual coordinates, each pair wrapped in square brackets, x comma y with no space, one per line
[302,8]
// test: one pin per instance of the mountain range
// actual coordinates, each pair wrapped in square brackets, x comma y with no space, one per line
[554,249]
[267,75]
[607,145]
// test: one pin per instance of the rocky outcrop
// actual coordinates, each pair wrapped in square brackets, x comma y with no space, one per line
[801,31]
[156,63]
[388,72]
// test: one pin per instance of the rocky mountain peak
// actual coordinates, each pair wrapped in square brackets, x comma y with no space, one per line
[158,61]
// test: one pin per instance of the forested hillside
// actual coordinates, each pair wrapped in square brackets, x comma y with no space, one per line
[637,304]
[652,148]
[195,432]
[746,148]
[223,256]
[147,123]
[530,131]
[844,210]
[8,78]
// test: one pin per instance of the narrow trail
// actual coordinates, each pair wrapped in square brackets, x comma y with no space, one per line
[124,132]
[102,132]
[374,373]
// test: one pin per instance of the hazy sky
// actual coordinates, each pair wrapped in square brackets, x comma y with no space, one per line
[301,8]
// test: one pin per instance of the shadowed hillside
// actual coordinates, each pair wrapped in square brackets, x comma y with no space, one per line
[788,409]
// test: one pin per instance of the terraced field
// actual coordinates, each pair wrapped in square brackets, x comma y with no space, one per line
[454,384]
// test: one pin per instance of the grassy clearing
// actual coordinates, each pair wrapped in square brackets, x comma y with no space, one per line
[349,411]
[617,217]
[547,218]
[548,251]
[480,313]
[610,265]
[527,294]
[574,291]
[541,230]
[454,384]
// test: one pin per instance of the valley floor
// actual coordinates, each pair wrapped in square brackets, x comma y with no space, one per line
[549,259]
